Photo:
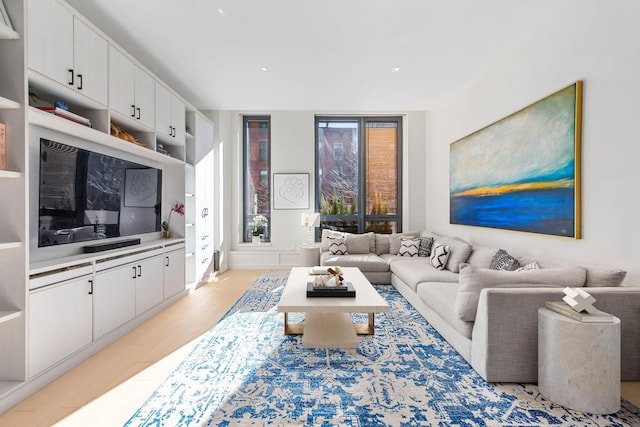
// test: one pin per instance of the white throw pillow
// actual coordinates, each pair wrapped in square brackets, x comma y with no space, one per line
[337,246]
[409,247]
[439,256]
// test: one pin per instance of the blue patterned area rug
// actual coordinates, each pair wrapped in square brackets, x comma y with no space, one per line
[244,371]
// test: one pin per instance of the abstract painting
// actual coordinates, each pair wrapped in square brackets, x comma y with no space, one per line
[523,172]
[291,191]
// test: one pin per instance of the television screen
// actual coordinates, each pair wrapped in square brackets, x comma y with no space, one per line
[85,195]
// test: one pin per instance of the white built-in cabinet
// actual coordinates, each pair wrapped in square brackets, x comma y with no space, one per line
[200,155]
[174,272]
[115,299]
[59,321]
[131,89]
[57,309]
[65,50]
[170,116]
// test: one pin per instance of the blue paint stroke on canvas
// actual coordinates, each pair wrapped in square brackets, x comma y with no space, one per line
[519,173]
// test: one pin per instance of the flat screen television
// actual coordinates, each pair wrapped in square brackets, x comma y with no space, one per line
[84,195]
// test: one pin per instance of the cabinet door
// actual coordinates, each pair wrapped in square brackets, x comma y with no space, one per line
[163,110]
[178,119]
[174,277]
[51,40]
[59,322]
[149,284]
[90,62]
[145,89]
[121,83]
[114,298]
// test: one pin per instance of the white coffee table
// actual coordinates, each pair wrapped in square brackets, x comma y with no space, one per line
[327,322]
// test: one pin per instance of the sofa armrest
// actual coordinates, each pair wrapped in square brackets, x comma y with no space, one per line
[505,335]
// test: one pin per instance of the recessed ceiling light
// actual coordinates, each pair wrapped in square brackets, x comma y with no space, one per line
[396,69]
[221,12]
[263,68]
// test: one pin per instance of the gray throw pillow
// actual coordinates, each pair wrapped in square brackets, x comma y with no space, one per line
[608,277]
[426,243]
[503,261]
[473,280]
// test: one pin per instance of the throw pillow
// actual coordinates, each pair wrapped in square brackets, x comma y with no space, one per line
[439,256]
[426,243]
[459,251]
[503,261]
[326,233]
[472,280]
[409,247]
[531,266]
[396,239]
[604,277]
[337,246]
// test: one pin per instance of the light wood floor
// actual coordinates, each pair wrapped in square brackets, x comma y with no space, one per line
[107,388]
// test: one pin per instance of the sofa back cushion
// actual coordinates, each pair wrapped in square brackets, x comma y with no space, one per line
[357,243]
[607,277]
[473,279]
[390,243]
[481,256]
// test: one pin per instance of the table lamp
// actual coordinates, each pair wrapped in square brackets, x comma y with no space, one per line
[310,220]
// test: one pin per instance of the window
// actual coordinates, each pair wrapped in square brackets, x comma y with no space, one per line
[257,187]
[358,170]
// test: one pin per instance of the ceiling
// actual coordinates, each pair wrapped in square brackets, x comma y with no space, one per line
[322,55]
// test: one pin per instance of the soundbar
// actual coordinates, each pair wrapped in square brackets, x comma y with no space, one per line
[110,245]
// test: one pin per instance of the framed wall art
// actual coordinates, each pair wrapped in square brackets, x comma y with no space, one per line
[522,172]
[290,191]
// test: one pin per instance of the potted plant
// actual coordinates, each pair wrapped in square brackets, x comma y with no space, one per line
[259,223]
[177,208]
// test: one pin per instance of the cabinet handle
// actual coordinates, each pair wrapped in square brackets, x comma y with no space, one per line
[80,78]
[71,71]
[174,132]
[205,247]
[90,286]
[167,264]
[133,108]
[170,130]
[138,110]
[139,270]
[204,237]
[134,272]
[204,260]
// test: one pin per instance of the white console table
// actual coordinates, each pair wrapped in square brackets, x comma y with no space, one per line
[579,363]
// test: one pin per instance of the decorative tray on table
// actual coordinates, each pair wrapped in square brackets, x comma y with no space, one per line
[331,285]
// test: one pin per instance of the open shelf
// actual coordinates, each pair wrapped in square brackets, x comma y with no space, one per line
[6,315]
[10,245]
[6,103]
[7,33]
[9,174]
[49,121]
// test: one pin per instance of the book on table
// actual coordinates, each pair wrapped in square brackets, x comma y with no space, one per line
[565,309]
[345,289]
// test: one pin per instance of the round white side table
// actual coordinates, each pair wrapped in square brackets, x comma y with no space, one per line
[579,363]
[309,255]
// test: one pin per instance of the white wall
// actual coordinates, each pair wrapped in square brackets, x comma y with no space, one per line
[292,151]
[599,45]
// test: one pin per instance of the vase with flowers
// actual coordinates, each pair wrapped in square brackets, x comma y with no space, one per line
[259,224]
[177,208]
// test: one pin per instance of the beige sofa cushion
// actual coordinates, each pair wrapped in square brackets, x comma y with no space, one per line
[604,277]
[473,279]
[357,243]
[390,243]
[439,296]
[481,256]
[416,270]
[365,262]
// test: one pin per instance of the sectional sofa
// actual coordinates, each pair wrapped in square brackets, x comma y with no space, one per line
[483,300]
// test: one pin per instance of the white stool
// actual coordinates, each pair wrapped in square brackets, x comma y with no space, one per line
[309,255]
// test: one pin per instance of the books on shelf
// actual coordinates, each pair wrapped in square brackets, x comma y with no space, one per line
[565,309]
[67,115]
[3,146]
